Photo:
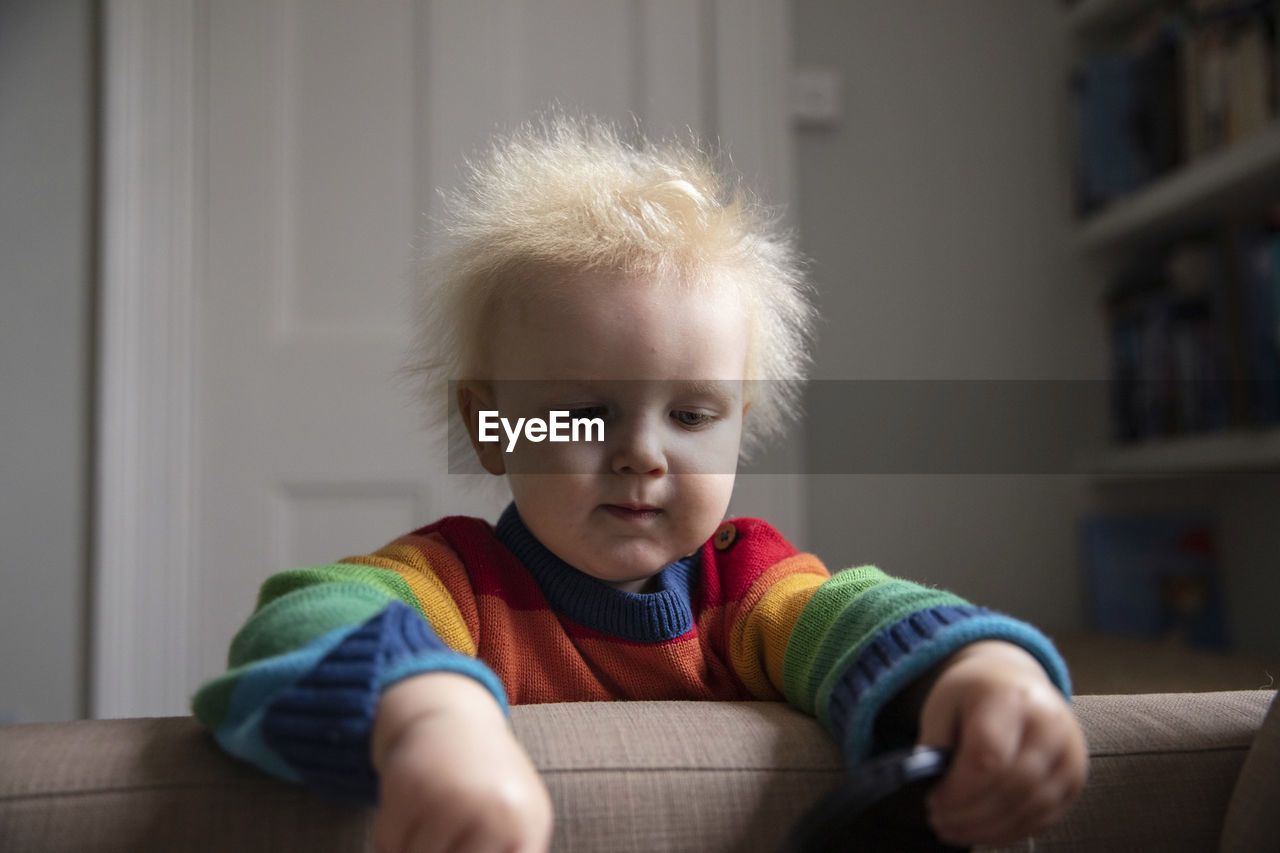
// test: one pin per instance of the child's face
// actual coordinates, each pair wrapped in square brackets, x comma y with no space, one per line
[663,366]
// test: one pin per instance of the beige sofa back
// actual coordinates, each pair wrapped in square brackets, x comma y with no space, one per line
[627,776]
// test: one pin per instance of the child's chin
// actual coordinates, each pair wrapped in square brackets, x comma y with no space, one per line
[638,585]
[632,578]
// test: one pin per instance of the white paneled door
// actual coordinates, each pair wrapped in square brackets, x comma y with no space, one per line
[269,171]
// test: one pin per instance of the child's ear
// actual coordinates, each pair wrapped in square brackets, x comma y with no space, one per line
[474,397]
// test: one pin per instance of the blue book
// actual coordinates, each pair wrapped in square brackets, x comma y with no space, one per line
[1200,337]
[1154,577]
[1260,315]
[1110,163]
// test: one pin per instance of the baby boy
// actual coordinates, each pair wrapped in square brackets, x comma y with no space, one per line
[630,288]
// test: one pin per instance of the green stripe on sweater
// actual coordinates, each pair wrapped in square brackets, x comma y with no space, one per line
[388,581]
[844,615]
[825,605]
[296,606]
[859,624]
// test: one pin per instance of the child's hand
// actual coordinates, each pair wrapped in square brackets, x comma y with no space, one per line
[1019,759]
[451,775]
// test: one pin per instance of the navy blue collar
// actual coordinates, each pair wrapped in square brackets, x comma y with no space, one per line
[648,617]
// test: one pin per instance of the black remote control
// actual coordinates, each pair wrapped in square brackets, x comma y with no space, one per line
[880,807]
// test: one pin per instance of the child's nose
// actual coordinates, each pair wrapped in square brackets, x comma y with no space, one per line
[638,449]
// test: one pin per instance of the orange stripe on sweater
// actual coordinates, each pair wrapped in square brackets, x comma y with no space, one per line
[533,657]
[684,669]
[436,576]
[764,618]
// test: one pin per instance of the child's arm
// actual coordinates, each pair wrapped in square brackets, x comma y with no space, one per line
[858,647]
[307,670]
[452,774]
[843,648]
[986,686]
[339,682]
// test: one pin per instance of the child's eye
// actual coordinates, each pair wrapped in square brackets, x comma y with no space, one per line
[691,420]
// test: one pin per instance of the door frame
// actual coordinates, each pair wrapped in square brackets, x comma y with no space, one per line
[147,431]
[144,510]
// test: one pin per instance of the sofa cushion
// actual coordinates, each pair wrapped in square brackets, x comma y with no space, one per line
[152,784]
[677,776]
[1251,821]
[1161,771]
[624,776]
[680,776]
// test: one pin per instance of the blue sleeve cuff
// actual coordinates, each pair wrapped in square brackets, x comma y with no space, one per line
[906,650]
[321,727]
[446,661]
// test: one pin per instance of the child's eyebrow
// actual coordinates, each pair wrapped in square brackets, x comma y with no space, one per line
[720,390]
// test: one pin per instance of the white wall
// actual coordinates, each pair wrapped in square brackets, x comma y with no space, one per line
[937,216]
[45,331]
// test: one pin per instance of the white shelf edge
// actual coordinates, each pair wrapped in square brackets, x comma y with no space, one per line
[1176,196]
[1231,451]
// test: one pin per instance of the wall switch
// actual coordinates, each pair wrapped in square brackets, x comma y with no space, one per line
[817,97]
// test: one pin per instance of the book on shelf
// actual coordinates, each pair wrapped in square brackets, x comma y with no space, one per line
[1195,338]
[1127,114]
[1178,83]
[1173,328]
[1154,577]
[1259,264]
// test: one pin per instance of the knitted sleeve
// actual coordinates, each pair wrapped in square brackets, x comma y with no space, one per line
[864,636]
[306,671]
[841,647]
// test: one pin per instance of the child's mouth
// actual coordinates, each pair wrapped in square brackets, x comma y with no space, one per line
[633,512]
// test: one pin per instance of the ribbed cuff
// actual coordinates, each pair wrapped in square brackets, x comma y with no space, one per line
[322,725]
[906,650]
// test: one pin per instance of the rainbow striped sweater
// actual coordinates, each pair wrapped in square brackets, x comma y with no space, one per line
[747,617]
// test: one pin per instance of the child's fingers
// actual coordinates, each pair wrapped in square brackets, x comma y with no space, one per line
[1042,806]
[1023,801]
[462,830]
[394,823]
[1018,756]
[1036,789]
[986,741]
[400,827]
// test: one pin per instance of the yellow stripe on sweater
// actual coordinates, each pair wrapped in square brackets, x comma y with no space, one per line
[441,611]
[762,636]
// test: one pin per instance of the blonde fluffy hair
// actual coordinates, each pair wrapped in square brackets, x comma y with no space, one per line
[573,196]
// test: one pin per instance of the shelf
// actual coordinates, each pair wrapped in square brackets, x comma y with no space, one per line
[1231,452]
[1089,15]
[1244,177]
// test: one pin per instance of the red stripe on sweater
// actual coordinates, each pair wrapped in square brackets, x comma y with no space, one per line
[494,570]
[737,567]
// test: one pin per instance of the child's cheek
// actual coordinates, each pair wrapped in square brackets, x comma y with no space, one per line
[561,457]
[709,451]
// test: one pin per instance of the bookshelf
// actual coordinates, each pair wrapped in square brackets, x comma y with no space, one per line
[1216,191]
[1228,452]
[1241,180]
[1212,191]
